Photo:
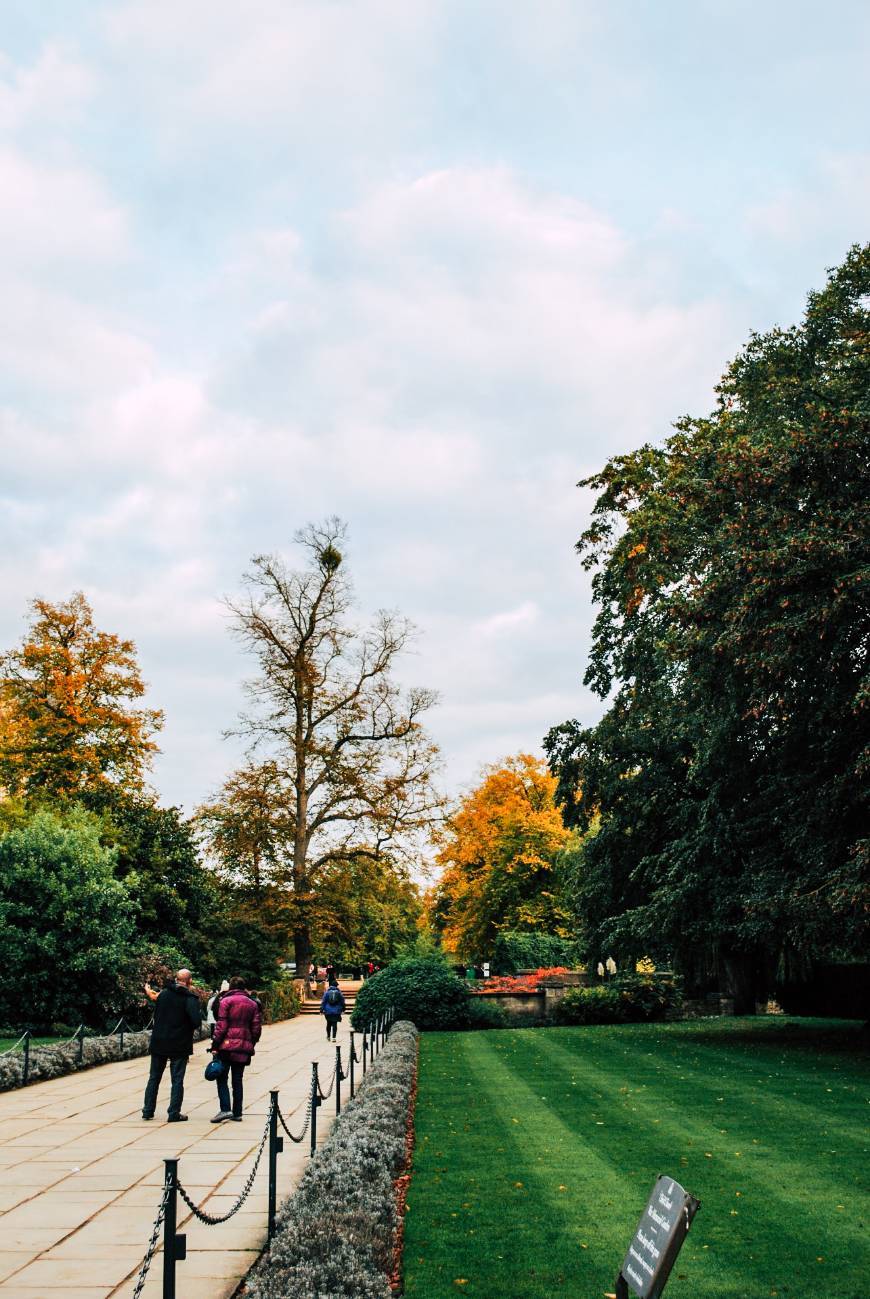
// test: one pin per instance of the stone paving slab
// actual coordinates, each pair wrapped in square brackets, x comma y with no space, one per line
[82,1171]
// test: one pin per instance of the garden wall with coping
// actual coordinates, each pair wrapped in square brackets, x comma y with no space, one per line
[336,1234]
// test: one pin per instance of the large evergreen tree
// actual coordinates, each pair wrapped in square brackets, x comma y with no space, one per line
[731,574]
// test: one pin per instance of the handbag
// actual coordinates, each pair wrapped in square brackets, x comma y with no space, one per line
[215,1069]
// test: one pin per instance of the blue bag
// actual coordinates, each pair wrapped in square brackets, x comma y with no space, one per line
[215,1069]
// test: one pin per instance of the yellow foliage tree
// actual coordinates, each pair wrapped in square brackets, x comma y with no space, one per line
[499,854]
[67,724]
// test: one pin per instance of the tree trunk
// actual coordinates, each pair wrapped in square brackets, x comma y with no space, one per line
[740,978]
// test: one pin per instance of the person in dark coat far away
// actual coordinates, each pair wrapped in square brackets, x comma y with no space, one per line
[332,1007]
[237,1030]
[177,1016]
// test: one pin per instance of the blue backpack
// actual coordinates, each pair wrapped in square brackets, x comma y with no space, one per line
[333,997]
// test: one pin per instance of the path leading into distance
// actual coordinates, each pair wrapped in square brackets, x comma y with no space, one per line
[82,1172]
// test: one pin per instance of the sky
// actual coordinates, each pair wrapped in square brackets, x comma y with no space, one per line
[421,265]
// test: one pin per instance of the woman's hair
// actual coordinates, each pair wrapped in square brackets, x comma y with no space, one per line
[237,982]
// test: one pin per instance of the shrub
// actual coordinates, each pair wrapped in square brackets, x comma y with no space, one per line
[281,1001]
[600,1005]
[632,998]
[335,1234]
[67,924]
[483,1013]
[421,989]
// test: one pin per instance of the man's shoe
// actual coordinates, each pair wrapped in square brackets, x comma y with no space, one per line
[237,1118]
[147,1116]
[177,1118]
[221,1116]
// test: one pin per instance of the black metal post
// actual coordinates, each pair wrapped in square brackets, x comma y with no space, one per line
[371,1044]
[338,1078]
[80,1034]
[174,1245]
[315,1101]
[27,1036]
[276,1145]
[621,1287]
[365,1056]
[350,1066]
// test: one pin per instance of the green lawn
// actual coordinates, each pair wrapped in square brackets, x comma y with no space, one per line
[7,1042]
[536,1150]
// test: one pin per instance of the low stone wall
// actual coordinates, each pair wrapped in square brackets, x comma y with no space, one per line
[522,1006]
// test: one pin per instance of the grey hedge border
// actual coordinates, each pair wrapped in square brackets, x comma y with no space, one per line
[335,1234]
[63,1058]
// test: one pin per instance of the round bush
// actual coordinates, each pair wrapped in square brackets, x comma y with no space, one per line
[421,989]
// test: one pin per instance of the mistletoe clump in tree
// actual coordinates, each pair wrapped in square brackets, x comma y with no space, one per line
[731,575]
[341,766]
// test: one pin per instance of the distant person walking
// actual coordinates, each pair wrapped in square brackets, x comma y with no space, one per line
[177,1016]
[237,1030]
[213,1002]
[331,973]
[332,1008]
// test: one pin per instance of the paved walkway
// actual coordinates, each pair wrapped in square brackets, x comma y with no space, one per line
[82,1172]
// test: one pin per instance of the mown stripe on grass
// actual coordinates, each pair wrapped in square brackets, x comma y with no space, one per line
[746,1187]
[475,1231]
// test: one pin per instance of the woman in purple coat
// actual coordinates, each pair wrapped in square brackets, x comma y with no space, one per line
[236,1032]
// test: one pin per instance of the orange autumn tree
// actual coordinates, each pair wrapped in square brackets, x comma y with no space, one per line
[68,725]
[499,856]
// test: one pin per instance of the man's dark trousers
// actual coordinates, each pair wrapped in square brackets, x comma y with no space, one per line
[177,1067]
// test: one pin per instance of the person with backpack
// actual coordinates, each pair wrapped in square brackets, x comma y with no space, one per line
[236,1033]
[332,1008]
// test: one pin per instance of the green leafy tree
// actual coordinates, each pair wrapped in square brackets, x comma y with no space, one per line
[366,909]
[66,923]
[731,575]
[157,857]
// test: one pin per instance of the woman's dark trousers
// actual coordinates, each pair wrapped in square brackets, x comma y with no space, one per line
[236,1073]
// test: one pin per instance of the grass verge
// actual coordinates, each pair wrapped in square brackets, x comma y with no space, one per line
[536,1150]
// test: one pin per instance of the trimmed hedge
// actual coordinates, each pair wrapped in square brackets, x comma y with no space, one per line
[629,999]
[335,1235]
[419,988]
[280,1001]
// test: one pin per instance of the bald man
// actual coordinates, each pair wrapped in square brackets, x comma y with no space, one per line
[177,1016]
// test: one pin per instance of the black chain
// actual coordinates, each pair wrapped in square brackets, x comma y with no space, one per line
[152,1244]
[301,1136]
[325,1095]
[208,1218]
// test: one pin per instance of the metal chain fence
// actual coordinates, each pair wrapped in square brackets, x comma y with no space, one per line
[152,1244]
[175,1247]
[210,1219]
[298,1140]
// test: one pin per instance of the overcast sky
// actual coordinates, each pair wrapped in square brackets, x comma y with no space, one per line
[421,264]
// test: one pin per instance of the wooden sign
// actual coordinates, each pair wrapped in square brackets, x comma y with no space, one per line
[657,1240]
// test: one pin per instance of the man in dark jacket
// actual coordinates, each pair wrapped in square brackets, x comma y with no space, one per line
[177,1016]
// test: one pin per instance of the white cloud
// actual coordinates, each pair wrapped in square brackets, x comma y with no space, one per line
[51,91]
[508,622]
